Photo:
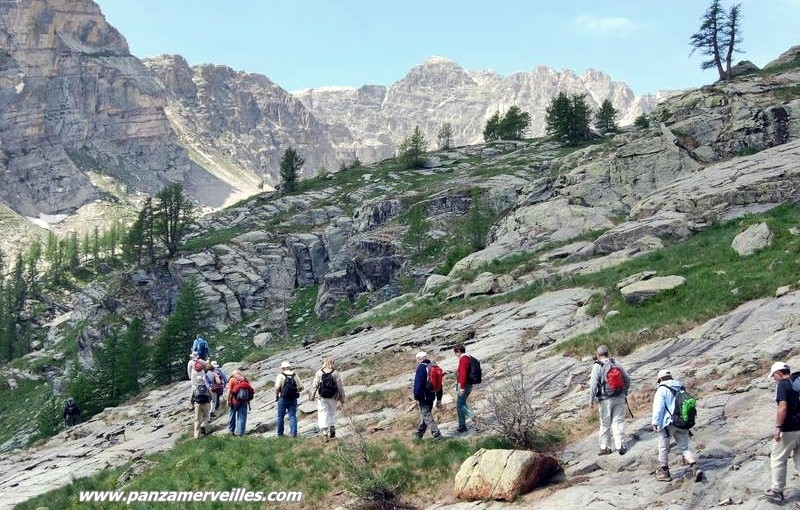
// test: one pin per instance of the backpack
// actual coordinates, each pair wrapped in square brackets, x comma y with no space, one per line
[613,380]
[474,373]
[71,409]
[201,395]
[435,376]
[243,392]
[289,388]
[684,413]
[199,365]
[201,347]
[216,386]
[327,385]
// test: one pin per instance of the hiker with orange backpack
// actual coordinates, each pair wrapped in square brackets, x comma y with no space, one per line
[240,393]
[609,385]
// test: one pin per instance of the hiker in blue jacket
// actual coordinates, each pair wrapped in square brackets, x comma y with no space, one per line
[425,398]
[200,346]
[663,407]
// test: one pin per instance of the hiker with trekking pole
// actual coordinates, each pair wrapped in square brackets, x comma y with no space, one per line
[608,386]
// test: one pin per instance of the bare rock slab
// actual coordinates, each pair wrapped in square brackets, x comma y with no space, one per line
[752,239]
[645,289]
[502,474]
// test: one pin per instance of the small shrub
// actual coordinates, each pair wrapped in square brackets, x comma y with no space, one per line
[513,414]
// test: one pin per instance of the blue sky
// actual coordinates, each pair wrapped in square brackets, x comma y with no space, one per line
[313,43]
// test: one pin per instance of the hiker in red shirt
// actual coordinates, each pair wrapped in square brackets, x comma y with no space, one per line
[463,387]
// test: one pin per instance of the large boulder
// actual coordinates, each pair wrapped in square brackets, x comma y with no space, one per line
[645,289]
[502,474]
[752,239]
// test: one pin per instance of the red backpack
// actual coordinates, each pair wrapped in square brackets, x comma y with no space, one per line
[435,376]
[615,382]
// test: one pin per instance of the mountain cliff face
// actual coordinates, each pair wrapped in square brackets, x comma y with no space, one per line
[75,102]
[439,91]
[78,106]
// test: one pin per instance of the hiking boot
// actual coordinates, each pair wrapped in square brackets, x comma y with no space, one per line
[697,473]
[438,435]
[774,494]
[662,475]
[622,451]
[203,429]
[604,451]
[461,430]
[332,433]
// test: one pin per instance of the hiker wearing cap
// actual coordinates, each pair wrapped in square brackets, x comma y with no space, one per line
[463,387]
[190,365]
[287,391]
[663,408]
[786,436]
[328,390]
[425,398]
[216,381]
[201,399]
[609,385]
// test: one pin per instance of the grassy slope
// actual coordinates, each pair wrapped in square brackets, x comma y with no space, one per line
[322,471]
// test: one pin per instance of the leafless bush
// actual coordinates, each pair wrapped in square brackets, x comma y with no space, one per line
[512,410]
[363,479]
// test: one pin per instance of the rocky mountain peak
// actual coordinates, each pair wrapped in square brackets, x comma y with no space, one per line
[435,72]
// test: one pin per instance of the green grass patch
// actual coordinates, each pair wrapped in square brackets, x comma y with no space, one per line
[717,281]
[319,470]
[787,93]
[211,238]
[20,408]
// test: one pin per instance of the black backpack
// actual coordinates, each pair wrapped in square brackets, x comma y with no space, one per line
[289,389]
[474,374]
[201,394]
[327,385]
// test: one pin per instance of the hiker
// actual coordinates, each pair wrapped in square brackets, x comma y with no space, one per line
[425,397]
[609,385]
[200,346]
[287,391]
[463,387]
[201,399]
[216,381]
[662,423]
[240,393]
[190,365]
[72,415]
[786,437]
[328,389]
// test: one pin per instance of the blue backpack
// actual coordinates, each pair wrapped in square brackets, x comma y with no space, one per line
[200,346]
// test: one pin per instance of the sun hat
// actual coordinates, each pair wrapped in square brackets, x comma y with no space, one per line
[421,355]
[215,364]
[778,365]
[664,372]
[286,364]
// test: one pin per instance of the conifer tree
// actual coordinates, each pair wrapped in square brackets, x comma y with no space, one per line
[291,165]
[719,34]
[567,118]
[445,136]
[514,124]
[478,222]
[418,227]
[412,149]
[491,131]
[605,119]
[177,335]
[171,216]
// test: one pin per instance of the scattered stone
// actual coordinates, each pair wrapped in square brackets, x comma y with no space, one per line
[752,239]
[782,290]
[502,474]
[646,289]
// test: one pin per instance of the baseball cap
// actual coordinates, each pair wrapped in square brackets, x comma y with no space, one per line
[778,365]
[664,372]
[286,364]
[422,354]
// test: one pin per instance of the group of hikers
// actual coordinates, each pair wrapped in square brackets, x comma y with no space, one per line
[674,413]
[209,383]
[673,409]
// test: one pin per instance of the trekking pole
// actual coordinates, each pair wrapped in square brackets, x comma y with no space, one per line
[628,406]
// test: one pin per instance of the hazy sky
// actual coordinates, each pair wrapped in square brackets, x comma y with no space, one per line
[313,43]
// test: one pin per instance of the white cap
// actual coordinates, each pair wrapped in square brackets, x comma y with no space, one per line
[286,364]
[778,365]
[664,372]
[422,355]
[215,364]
